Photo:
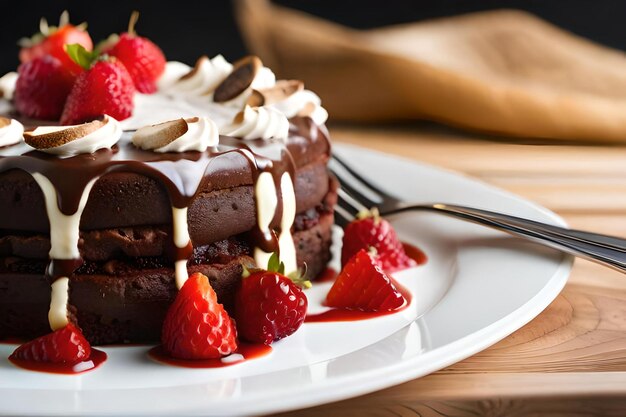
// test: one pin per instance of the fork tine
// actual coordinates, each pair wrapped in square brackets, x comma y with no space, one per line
[376,189]
[350,203]
[342,217]
[356,195]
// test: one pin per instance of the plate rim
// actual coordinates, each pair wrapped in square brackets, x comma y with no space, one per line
[370,380]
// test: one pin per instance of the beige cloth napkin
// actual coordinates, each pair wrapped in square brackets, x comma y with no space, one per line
[505,72]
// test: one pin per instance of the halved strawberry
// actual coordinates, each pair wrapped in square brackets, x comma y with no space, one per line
[269,305]
[372,231]
[196,325]
[143,59]
[363,285]
[66,345]
[51,40]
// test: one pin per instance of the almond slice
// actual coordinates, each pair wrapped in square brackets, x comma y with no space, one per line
[239,80]
[61,136]
[4,122]
[282,90]
[162,134]
[195,68]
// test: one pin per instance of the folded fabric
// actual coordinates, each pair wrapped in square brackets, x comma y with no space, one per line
[505,72]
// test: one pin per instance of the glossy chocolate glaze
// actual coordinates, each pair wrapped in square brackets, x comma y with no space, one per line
[183,175]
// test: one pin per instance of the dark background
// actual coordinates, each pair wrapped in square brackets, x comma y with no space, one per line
[187,29]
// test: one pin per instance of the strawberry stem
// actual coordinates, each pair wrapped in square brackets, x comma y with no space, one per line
[134,17]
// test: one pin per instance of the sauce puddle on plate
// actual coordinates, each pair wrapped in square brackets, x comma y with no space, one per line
[245,352]
[96,359]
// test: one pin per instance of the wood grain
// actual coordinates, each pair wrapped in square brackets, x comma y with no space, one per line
[571,359]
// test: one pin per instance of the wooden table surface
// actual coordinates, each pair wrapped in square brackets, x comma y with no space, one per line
[571,359]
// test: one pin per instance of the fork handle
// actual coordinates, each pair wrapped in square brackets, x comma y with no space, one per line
[607,250]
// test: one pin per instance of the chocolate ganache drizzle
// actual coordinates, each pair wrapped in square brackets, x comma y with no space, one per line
[269,165]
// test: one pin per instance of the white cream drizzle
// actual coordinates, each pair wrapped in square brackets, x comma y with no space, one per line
[64,237]
[7,84]
[266,204]
[285,239]
[12,133]
[258,123]
[181,240]
[297,102]
[201,133]
[104,137]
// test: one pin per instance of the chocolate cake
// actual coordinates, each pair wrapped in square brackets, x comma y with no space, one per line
[145,218]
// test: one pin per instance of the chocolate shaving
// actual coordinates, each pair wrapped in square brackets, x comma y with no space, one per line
[239,80]
[61,137]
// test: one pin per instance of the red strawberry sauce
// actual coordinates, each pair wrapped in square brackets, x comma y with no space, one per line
[96,359]
[246,350]
[339,314]
[415,253]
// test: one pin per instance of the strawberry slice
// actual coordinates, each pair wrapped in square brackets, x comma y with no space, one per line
[363,285]
[196,326]
[372,231]
[66,345]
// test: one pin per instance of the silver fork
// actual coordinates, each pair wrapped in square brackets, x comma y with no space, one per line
[358,193]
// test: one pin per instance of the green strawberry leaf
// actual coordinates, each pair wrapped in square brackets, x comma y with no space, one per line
[275,265]
[80,55]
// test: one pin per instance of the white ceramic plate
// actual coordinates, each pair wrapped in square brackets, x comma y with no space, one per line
[477,287]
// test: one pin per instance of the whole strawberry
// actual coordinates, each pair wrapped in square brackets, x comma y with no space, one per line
[51,40]
[143,59]
[66,345]
[372,231]
[363,285]
[269,306]
[196,326]
[42,87]
[104,88]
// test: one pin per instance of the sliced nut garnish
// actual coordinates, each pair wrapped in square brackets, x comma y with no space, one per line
[162,134]
[4,122]
[307,110]
[60,137]
[282,90]
[239,80]
[195,68]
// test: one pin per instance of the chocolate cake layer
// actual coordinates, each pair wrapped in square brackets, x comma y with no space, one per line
[138,241]
[128,305]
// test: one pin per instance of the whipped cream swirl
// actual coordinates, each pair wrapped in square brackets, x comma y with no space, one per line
[11,131]
[303,103]
[66,141]
[7,85]
[181,135]
[258,123]
[202,80]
